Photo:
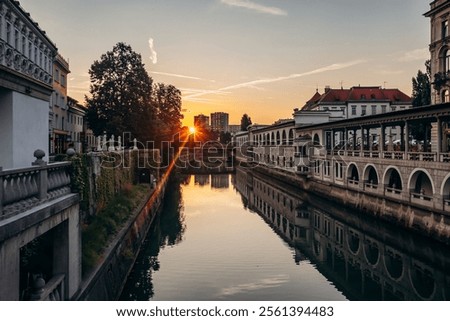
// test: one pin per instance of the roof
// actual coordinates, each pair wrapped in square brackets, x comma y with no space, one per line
[357,94]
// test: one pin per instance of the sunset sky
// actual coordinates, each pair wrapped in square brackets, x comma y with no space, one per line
[261,57]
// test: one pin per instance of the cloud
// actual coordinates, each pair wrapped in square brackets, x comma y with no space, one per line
[416,54]
[153,54]
[252,84]
[179,76]
[263,284]
[255,6]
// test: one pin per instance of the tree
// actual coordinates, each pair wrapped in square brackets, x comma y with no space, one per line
[421,96]
[421,93]
[245,122]
[121,95]
[167,99]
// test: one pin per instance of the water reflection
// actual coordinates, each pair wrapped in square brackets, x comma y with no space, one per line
[167,230]
[266,240]
[365,258]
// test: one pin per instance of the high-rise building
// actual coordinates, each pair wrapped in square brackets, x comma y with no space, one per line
[439,15]
[219,122]
[201,121]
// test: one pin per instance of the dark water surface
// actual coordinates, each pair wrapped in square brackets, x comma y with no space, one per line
[245,237]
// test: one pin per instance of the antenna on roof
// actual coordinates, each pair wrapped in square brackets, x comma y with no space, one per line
[317,88]
[341,82]
[384,84]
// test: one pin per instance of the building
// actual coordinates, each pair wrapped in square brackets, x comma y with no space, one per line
[26,60]
[357,101]
[201,121]
[60,137]
[75,124]
[439,15]
[234,129]
[219,122]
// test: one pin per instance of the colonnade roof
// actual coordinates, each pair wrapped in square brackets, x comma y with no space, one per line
[431,112]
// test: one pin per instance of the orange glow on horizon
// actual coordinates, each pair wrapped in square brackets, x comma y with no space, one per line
[192,130]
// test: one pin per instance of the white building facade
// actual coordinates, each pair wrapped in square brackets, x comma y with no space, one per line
[26,60]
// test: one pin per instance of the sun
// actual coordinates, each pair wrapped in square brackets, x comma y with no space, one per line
[192,130]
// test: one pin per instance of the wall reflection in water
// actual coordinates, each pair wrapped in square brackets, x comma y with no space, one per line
[365,258]
[167,230]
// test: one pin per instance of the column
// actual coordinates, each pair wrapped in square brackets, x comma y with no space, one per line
[402,137]
[406,138]
[381,140]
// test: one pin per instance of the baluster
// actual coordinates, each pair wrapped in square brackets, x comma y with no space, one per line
[43,173]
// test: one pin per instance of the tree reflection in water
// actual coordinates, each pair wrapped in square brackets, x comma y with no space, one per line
[167,230]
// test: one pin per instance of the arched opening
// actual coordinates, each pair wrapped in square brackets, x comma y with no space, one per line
[446,192]
[353,242]
[267,139]
[291,136]
[445,62]
[371,252]
[394,264]
[371,177]
[421,186]
[393,181]
[422,281]
[316,140]
[278,138]
[272,139]
[353,174]
[284,138]
[445,96]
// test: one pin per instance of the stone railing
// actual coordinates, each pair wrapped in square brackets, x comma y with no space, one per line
[53,290]
[24,188]
[425,157]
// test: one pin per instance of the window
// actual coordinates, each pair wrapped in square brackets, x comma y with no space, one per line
[62,123]
[374,109]
[444,29]
[63,101]
[383,108]
[8,33]
[353,110]
[57,74]
[30,50]
[56,99]
[446,60]
[16,39]
[446,96]
[363,110]
[63,80]
[24,44]
[394,108]
[35,55]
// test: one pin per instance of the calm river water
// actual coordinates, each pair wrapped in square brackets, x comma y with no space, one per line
[246,237]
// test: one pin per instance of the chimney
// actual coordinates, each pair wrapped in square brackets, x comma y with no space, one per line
[327,89]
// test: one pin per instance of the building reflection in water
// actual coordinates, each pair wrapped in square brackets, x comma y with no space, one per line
[220,181]
[201,180]
[366,259]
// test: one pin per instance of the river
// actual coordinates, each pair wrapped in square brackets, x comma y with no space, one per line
[245,237]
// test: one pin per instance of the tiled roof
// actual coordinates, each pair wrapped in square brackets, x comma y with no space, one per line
[355,94]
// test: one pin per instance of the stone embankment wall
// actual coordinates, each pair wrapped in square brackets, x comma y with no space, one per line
[435,224]
[106,281]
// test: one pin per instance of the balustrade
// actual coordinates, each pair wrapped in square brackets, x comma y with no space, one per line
[21,189]
[53,290]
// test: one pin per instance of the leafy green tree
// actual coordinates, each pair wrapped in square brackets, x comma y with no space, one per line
[245,122]
[120,95]
[421,87]
[421,95]
[167,100]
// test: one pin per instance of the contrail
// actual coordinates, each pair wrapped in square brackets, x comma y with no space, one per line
[253,83]
[153,54]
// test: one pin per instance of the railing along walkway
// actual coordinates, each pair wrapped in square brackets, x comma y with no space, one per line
[24,188]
